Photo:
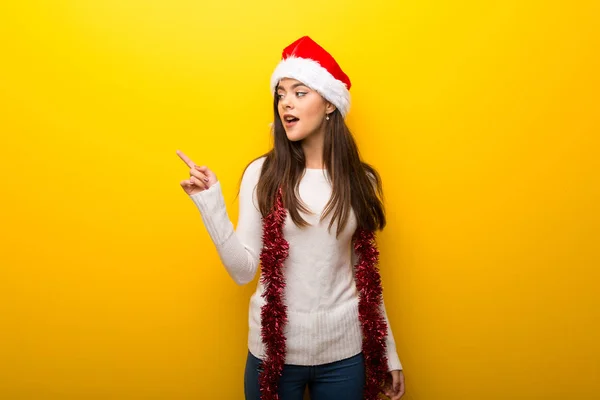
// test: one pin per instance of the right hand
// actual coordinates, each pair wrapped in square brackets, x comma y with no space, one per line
[201,178]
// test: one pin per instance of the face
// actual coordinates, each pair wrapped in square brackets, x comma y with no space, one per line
[301,109]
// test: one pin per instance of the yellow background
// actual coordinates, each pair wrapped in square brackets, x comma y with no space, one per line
[482,118]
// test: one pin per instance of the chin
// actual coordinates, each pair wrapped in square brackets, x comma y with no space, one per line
[294,137]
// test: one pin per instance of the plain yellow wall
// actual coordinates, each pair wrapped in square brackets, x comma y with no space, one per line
[482,118]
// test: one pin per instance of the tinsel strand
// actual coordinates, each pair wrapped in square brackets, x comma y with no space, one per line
[370,314]
[274,312]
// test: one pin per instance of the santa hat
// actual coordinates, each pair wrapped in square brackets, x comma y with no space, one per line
[312,65]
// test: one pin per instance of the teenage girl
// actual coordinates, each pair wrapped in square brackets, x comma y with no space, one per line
[308,211]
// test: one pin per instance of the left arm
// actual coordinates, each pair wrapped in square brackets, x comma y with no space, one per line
[392,354]
[394,385]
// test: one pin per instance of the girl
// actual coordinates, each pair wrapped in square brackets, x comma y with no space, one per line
[308,210]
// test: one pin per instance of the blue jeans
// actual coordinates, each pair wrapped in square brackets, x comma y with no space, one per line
[340,380]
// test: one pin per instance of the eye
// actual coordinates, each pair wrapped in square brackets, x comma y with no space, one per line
[300,94]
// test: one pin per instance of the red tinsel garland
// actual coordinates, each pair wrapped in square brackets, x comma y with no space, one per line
[370,314]
[274,313]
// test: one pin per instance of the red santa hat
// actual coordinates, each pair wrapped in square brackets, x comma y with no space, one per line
[312,65]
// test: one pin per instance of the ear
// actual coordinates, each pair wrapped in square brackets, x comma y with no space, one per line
[329,108]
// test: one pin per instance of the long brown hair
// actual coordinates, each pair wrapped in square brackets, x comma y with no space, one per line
[355,184]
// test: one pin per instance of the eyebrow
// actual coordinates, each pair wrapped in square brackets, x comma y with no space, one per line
[294,86]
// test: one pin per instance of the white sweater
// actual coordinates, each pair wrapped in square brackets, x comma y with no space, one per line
[320,293]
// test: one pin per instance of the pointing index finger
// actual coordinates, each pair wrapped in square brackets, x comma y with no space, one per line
[186,159]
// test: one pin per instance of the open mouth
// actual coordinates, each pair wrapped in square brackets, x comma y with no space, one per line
[289,120]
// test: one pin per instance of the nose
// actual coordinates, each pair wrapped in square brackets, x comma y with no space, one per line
[285,102]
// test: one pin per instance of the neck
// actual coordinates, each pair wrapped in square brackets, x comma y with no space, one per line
[313,151]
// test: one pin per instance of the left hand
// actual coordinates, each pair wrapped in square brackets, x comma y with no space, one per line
[394,385]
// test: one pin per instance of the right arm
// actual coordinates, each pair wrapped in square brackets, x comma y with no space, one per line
[239,249]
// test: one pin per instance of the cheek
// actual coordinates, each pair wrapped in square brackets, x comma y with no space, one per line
[317,109]
[315,114]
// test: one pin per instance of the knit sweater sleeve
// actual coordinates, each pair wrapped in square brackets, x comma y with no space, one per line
[239,249]
[392,354]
